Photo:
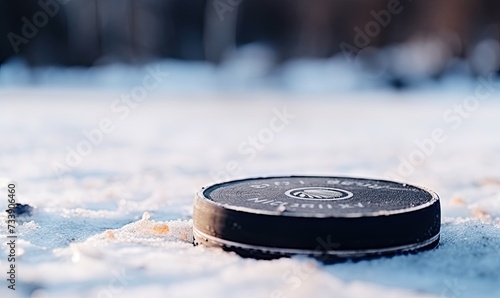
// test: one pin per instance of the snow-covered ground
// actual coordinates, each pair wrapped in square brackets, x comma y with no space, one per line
[115,219]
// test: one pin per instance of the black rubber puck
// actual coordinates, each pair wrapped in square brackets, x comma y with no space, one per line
[328,217]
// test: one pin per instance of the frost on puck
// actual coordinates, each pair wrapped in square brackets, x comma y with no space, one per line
[325,217]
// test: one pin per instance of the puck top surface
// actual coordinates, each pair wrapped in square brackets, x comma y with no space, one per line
[319,196]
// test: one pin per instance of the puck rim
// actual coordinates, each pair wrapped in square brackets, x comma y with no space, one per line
[412,247]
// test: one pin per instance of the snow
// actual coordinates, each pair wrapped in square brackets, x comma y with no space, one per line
[119,223]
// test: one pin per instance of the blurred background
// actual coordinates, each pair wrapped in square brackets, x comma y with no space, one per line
[395,44]
[112,111]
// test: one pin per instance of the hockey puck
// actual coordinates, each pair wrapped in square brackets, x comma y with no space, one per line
[330,217]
